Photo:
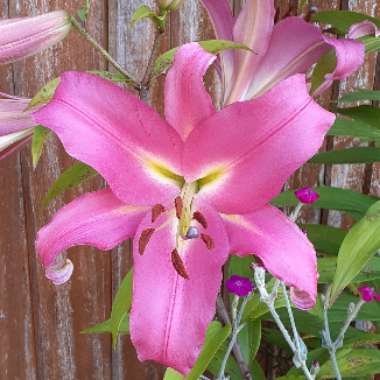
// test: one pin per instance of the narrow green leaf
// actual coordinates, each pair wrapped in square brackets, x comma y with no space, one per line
[44,94]
[40,135]
[353,363]
[324,66]
[106,327]
[326,239]
[364,113]
[354,128]
[142,12]
[171,374]
[371,43]
[114,77]
[83,12]
[358,247]
[342,20]
[360,95]
[257,371]
[70,178]
[332,198]
[215,336]
[165,60]
[348,156]
[121,306]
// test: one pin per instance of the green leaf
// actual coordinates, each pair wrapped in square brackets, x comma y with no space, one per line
[83,12]
[360,95]
[348,156]
[44,95]
[366,114]
[324,66]
[332,198]
[353,363]
[358,247]
[327,268]
[143,12]
[354,128]
[216,335]
[121,306]
[70,178]
[325,239]
[171,374]
[114,77]
[106,327]
[371,43]
[342,20]
[40,135]
[257,371]
[164,61]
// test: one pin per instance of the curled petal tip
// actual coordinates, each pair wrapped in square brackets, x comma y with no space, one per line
[58,274]
[25,36]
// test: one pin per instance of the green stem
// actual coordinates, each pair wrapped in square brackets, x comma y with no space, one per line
[103,52]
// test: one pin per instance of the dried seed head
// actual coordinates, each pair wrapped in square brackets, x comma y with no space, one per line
[199,217]
[144,239]
[178,207]
[178,264]
[157,210]
[207,239]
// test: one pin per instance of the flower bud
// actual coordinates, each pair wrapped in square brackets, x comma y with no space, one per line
[25,36]
[306,195]
[169,4]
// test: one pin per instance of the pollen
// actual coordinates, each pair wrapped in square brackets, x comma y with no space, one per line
[157,210]
[199,217]
[178,264]
[144,239]
[207,239]
[178,207]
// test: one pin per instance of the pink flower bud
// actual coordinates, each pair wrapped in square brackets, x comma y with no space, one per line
[307,195]
[25,36]
[366,293]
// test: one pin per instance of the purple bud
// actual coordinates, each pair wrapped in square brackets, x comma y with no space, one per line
[366,293]
[376,297]
[192,233]
[241,286]
[307,195]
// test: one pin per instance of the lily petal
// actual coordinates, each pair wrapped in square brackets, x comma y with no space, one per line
[282,247]
[362,29]
[187,102]
[253,28]
[25,36]
[169,313]
[349,57]
[223,21]
[97,219]
[122,138]
[12,116]
[242,166]
[294,47]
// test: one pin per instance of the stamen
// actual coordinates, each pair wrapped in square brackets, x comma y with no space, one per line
[192,232]
[144,239]
[178,264]
[199,217]
[208,241]
[178,207]
[157,210]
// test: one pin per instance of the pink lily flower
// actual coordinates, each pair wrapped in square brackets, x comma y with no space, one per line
[279,51]
[16,126]
[25,36]
[190,190]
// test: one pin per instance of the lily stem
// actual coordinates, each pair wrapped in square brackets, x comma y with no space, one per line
[333,346]
[225,318]
[76,24]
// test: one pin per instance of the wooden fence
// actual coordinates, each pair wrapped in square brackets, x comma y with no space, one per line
[40,324]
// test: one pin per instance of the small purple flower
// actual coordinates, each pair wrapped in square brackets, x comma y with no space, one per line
[367,294]
[241,286]
[306,195]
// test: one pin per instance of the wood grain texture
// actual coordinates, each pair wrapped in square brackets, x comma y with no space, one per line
[40,324]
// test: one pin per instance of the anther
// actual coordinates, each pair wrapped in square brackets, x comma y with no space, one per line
[178,207]
[208,241]
[144,239]
[199,217]
[157,210]
[178,264]
[192,233]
